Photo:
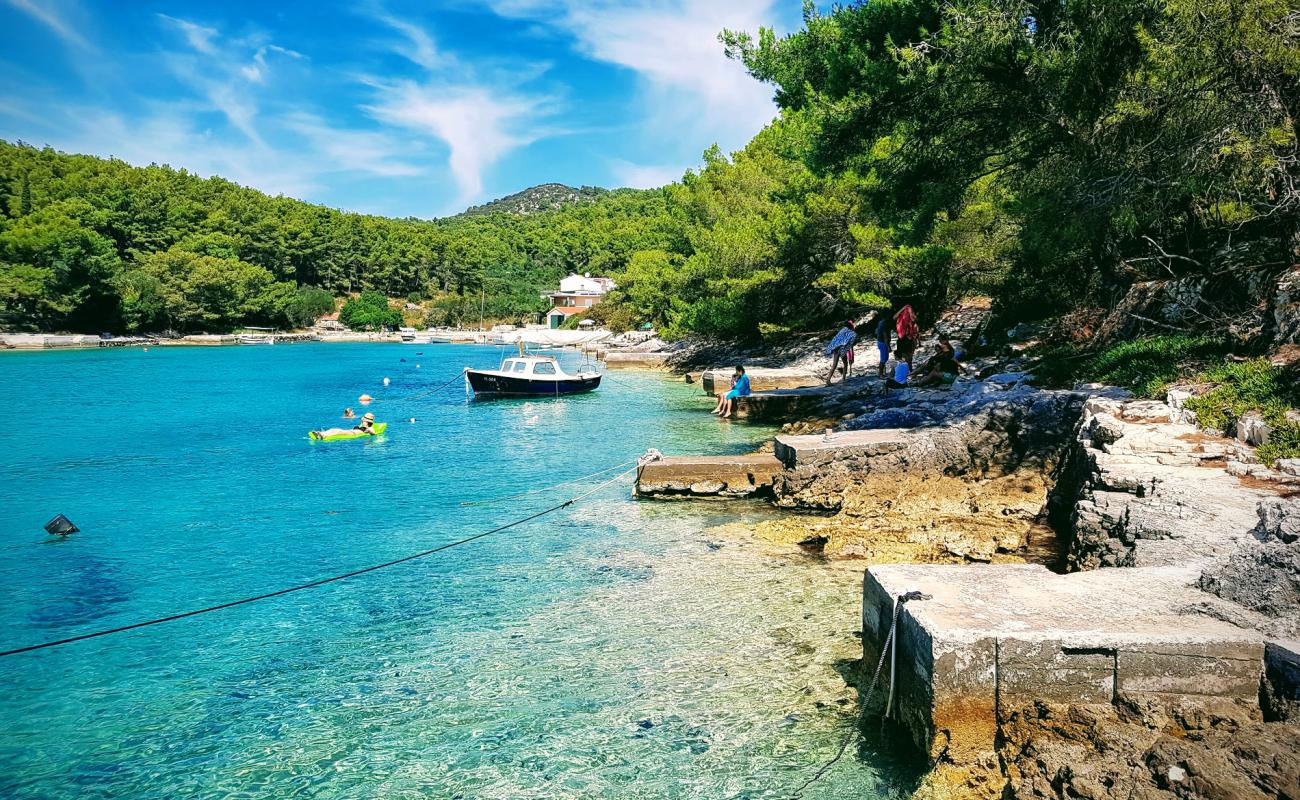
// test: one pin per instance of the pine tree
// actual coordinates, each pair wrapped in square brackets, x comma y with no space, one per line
[25,204]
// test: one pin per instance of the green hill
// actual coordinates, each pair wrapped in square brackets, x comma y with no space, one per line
[91,244]
[536,199]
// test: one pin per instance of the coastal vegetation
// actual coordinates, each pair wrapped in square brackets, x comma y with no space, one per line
[91,244]
[1048,154]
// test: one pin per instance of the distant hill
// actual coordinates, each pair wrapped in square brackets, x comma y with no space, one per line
[536,199]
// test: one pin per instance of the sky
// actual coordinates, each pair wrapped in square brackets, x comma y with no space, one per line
[388,107]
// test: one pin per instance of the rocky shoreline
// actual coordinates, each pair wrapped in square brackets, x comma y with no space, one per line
[1109,597]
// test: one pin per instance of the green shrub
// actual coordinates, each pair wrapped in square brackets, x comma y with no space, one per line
[1143,366]
[369,312]
[1251,386]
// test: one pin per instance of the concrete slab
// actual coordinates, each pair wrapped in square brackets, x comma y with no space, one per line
[633,360]
[990,638]
[703,476]
[761,379]
[795,451]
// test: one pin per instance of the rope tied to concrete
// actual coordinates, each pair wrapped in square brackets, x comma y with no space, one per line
[888,648]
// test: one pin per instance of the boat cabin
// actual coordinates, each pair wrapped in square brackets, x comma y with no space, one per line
[531,366]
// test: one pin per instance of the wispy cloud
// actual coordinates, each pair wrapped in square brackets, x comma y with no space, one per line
[44,12]
[223,69]
[341,150]
[645,176]
[418,47]
[200,37]
[479,126]
[672,46]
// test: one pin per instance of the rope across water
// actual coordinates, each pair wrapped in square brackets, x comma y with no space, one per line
[652,455]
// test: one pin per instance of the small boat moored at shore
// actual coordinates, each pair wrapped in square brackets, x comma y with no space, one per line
[529,376]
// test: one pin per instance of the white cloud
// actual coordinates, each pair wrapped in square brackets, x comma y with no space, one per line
[478,125]
[199,37]
[672,46]
[645,176]
[44,13]
[352,151]
[419,48]
[223,71]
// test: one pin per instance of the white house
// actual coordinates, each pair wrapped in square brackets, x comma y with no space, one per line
[576,294]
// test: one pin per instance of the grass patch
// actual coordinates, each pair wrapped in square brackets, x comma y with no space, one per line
[1257,386]
[1143,366]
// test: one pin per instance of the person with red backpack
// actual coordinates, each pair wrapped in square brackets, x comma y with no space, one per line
[908,333]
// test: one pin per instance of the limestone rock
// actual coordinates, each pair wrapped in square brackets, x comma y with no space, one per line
[1286,308]
[1206,751]
[1253,430]
[1263,574]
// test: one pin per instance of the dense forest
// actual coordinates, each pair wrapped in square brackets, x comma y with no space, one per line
[91,244]
[1048,153]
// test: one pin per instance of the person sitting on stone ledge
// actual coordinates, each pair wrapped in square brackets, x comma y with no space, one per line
[739,388]
[901,372]
[942,370]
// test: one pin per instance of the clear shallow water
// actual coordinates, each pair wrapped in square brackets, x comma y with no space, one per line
[613,649]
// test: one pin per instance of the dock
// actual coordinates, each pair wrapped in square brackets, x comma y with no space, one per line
[709,476]
[633,360]
[986,640]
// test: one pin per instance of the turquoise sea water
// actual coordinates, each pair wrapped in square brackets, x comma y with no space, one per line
[613,649]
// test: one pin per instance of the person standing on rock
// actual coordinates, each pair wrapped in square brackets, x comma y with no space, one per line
[908,333]
[884,338]
[840,350]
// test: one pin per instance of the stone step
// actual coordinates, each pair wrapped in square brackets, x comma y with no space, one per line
[991,638]
[801,451]
[708,476]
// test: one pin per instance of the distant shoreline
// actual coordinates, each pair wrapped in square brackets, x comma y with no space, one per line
[63,341]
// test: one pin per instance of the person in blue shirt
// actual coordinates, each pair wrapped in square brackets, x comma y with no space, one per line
[739,388]
[902,371]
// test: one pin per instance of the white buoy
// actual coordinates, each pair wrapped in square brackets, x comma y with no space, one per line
[385,381]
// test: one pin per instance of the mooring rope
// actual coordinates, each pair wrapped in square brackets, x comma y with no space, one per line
[541,489]
[651,455]
[886,649]
[422,395]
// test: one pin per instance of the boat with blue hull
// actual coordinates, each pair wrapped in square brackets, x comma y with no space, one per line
[530,376]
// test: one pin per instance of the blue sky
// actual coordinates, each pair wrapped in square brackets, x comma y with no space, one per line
[382,106]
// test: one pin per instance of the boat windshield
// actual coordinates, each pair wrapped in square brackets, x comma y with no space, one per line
[543,368]
[520,366]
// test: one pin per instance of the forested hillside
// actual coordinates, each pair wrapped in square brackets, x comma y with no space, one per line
[92,244]
[1049,153]
[535,199]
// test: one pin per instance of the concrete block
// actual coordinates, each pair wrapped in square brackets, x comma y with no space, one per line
[1190,672]
[633,360]
[761,379]
[1049,671]
[796,450]
[727,476]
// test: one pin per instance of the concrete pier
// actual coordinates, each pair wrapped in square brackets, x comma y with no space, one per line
[990,639]
[708,476]
[761,379]
[633,360]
